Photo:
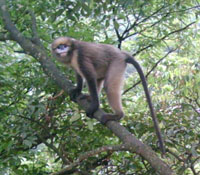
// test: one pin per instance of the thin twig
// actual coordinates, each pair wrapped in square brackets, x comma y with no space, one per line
[164,37]
[36,38]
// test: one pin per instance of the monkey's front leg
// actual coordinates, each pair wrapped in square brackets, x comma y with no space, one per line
[94,99]
[77,91]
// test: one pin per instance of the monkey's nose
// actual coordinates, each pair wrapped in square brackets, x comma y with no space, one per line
[62,46]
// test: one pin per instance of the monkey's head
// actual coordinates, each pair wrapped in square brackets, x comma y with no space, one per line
[62,47]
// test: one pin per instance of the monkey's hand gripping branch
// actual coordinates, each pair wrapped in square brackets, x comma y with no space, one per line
[75,94]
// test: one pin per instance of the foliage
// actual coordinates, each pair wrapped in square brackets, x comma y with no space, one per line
[40,135]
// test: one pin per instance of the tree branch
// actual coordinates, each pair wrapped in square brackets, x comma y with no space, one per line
[164,37]
[91,153]
[51,146]
[118,35]
[35,38]
[125,33]
[145,19]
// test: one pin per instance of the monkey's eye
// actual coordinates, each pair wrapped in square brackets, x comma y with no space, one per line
[62,49]
[62,46]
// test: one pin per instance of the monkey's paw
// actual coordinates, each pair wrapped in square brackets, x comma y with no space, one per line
[85,97]
[74,93]
[109,117]
[92,109]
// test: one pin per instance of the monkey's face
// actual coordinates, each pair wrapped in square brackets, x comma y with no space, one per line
[61,50]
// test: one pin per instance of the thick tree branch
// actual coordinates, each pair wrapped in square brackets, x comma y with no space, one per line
[50,69]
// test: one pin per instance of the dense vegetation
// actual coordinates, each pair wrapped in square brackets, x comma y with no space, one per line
[42,135]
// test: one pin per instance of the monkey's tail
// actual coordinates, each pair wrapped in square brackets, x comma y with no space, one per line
[132,61]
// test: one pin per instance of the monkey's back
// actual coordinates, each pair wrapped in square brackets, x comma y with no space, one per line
[100,56]
[100,52]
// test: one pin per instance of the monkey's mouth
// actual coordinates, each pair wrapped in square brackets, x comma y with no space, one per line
[63,54]
[63,51]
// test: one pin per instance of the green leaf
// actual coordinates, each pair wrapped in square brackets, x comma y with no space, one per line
[91,4]
[90,125]
[74,118]
[28,143]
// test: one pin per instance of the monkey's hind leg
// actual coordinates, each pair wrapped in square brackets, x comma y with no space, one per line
[113,85]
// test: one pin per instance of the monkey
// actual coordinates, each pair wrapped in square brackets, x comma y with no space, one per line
[101,65]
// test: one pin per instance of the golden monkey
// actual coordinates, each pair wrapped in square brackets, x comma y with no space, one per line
[101,65]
